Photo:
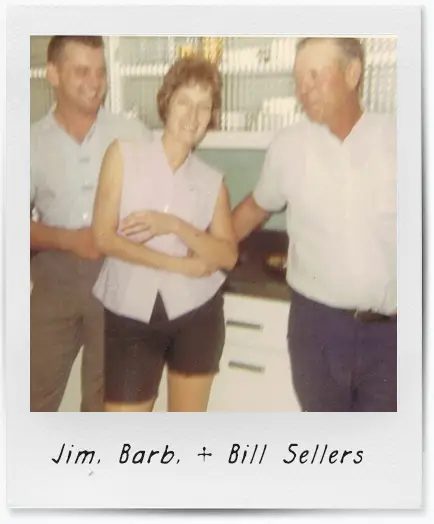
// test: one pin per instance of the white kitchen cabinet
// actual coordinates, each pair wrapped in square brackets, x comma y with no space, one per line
[253,380]
[250,380]
[256,322]
[255,372]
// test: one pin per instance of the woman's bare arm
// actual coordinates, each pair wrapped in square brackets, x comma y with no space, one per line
[218,245]
[106,220]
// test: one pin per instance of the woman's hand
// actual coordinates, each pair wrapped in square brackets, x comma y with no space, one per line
[154,223]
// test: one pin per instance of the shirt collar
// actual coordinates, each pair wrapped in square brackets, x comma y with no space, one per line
[183,168]
[99,117]
[358,126]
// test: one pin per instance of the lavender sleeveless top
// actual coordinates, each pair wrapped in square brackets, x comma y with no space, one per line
[149,184]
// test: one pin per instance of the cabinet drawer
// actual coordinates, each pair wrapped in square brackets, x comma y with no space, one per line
[256,322]
[251,380]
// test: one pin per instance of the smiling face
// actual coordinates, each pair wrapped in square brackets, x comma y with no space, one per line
[79,77]
[189,113]
[324,80]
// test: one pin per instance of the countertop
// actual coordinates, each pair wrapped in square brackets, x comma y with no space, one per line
[250,276]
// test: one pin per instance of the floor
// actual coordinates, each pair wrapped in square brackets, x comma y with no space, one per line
[71,398]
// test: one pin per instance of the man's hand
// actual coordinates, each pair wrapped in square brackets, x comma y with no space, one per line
[81,243]
[197,267]
[154,223]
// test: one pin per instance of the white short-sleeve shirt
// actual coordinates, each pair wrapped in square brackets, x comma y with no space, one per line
[341,210]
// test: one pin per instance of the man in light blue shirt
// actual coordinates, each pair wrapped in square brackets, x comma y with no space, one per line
[67,148]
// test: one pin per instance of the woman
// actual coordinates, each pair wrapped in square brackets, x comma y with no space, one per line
[162,217]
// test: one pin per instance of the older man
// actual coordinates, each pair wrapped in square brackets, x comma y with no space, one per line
[336,174]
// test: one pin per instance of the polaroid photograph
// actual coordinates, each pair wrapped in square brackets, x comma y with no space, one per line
[225,212]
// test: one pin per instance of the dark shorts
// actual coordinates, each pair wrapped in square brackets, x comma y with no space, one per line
[136,352]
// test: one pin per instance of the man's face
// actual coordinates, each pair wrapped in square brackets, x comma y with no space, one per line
[80,77]
[320,78]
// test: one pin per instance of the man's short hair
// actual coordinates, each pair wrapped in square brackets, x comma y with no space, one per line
[57,44]
[351,49]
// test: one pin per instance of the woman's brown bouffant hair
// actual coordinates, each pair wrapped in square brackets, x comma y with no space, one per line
[187,71]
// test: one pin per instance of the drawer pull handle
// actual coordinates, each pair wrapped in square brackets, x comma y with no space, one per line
[246,367]
[247,325]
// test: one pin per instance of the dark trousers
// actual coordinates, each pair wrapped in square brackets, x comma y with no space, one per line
[340,363]
[64,315]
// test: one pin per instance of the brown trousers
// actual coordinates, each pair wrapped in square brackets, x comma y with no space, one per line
[64,316]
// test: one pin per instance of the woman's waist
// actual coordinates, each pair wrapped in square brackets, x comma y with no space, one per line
[120,272]
[130,288]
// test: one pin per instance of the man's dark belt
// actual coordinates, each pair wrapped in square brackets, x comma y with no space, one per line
[358,314]
[368,316]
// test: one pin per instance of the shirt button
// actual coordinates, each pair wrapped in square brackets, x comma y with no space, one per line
[89,184]
[85,215]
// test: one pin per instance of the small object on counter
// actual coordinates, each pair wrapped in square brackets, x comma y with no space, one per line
[275,265]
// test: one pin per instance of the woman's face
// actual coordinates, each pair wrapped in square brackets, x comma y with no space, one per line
[189,113]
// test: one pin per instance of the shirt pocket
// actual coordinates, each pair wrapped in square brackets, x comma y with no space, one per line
[317,197]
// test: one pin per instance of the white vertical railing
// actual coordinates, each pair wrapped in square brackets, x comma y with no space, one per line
[114,97]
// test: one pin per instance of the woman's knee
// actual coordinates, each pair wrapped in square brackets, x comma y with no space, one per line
[189,393]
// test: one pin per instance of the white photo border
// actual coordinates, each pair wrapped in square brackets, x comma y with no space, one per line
[390,475]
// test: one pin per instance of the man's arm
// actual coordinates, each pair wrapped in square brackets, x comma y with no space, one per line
[80,241]
[247,216]
[47,237]
[44,237]
[268,196]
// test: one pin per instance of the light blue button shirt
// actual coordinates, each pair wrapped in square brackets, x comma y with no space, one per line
[64,173]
